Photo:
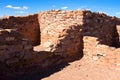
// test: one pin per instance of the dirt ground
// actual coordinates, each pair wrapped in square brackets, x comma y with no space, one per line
[91,67]
[100,62]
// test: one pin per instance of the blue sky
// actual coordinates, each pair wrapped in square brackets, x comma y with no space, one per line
[23,7]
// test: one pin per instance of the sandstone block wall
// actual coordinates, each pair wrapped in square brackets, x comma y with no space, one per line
[61,32]
[27,26]
[61,28]
[95,25]
[15,52]
[101,26]
[118,30]
[17,56]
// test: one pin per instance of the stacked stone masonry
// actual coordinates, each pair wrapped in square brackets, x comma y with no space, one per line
[62,36]
[61,32]
[13,50]
[27,26]
[101,26]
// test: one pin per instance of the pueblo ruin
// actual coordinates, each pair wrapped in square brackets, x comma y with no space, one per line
[38,42]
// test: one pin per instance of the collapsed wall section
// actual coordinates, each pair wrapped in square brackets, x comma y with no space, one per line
[28,27]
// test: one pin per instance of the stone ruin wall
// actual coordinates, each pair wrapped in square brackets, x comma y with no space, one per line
[102,27]
[64,36]
[61,32]
[118,30]
[28,27]
[60,28]
[14,52]
[17,56]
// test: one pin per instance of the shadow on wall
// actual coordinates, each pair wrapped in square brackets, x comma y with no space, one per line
[102,27]
[55,64]
[41,75]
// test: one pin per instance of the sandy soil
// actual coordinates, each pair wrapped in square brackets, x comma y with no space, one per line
[89,68]
[98,63]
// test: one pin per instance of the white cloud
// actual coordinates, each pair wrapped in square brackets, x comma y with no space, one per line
[117,13]
[17,7]
[103,12]
[83,7]
[64,7]
[20,12]
[9,6]
[53,6]
[25,7]
[87,9]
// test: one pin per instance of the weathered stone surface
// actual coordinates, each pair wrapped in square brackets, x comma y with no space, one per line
[61,32]
[13,50]
[118,30]
[101,26]
[27,26]
[18,58]
[103,53]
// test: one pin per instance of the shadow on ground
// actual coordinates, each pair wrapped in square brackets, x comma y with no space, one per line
[39,76]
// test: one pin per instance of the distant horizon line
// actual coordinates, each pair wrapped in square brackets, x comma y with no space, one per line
[24,15]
